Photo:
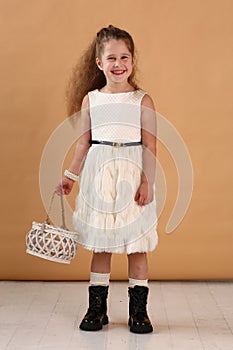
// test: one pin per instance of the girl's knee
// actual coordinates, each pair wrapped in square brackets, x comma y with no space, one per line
[137,262]
[102,256]
[137,256]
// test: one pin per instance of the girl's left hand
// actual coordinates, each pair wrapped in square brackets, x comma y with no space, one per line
[144,194]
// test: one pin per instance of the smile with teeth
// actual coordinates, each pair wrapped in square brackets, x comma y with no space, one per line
[118,72]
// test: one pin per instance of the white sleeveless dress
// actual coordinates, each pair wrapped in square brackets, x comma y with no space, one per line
[106,216]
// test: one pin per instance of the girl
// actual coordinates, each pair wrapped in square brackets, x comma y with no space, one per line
[114,161]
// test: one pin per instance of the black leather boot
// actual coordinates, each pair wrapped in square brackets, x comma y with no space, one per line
[138,319]
[96,315]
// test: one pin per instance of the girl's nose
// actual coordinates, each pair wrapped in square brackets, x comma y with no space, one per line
[116,63]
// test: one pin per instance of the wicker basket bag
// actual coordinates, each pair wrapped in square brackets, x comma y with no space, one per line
[57,244]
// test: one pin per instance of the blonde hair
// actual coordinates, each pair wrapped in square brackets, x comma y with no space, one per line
[86,76]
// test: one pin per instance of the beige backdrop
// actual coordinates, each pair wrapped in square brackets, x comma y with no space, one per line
[185,59]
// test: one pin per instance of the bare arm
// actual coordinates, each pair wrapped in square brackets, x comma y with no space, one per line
[148,139]
[144,194]
[83,144]
[82,147]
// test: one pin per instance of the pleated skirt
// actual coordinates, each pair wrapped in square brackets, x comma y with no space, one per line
[106,216]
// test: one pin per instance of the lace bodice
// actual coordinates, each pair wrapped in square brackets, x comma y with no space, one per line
[116,117]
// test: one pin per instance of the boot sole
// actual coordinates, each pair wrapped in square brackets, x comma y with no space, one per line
[92,326]
[140,329]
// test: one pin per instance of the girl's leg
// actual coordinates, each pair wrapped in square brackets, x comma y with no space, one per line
[96,315]
[139,321]
[138,266]
[101,262]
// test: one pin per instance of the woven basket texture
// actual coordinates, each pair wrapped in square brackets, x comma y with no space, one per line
[51,243]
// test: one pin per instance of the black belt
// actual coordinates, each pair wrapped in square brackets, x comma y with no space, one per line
[116,144]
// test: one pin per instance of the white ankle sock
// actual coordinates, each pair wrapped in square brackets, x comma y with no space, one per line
[99,279]
[133,283]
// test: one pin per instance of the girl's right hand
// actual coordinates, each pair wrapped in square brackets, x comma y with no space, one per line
[64,186]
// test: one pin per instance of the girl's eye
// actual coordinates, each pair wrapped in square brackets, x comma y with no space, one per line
[111,58]
[124,57]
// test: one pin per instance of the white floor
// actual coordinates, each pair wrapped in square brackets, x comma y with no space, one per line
[185,315]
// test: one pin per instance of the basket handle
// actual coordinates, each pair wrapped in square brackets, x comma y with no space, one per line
[48,221]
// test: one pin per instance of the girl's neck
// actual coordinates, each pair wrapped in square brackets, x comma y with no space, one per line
[111,89]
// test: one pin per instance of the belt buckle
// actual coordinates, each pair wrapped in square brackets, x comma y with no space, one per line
[117,144]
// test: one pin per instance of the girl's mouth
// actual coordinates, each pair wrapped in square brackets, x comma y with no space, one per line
[118,72]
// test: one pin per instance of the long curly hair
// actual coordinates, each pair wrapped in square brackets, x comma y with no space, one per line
[86,76]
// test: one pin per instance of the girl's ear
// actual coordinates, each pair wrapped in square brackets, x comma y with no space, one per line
[99,63]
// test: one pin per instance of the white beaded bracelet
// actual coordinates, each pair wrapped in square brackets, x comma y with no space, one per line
[71,175]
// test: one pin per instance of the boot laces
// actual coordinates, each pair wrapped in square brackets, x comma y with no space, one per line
[139,301]
[96,301]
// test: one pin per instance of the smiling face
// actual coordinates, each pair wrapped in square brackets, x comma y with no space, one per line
[116,62]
